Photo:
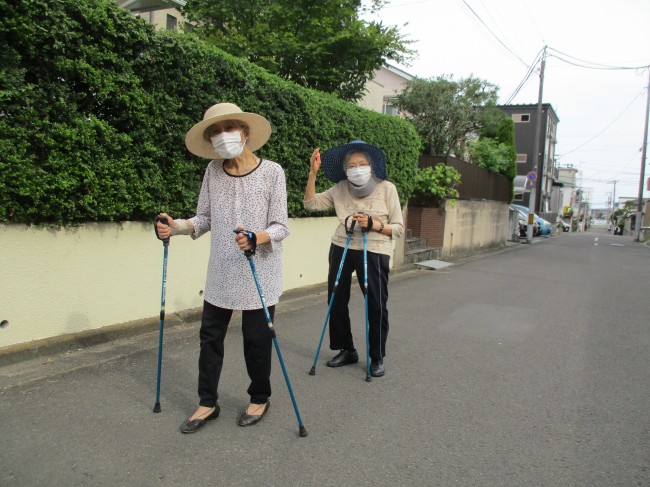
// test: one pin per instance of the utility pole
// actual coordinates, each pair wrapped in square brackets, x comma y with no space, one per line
[538,128]
[639,207]
[611,217]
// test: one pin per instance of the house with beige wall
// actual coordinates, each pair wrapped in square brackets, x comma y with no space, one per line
[164,14]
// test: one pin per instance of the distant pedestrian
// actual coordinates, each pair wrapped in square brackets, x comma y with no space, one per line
[239,191]
[361,190]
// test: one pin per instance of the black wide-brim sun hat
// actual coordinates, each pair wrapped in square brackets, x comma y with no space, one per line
[332,160]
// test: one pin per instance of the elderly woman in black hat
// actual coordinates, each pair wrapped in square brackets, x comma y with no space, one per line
[240,191]
[361,193]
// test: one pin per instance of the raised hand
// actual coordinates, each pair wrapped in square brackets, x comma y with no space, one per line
[315,160]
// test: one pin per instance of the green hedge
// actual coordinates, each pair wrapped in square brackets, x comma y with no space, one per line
[95,104]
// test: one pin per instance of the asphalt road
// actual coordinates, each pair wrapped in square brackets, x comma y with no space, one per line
[525,367]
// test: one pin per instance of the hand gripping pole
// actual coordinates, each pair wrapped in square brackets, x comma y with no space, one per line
[165,241]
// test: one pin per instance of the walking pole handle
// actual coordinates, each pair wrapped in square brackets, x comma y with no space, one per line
[370,223]
[349,231]
[363,230]
[253,238]
[163,220]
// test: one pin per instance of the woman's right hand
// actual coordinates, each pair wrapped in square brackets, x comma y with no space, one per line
[315,160]
[164,231]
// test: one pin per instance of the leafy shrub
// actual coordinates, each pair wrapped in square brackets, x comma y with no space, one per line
[95,104]
[434,185]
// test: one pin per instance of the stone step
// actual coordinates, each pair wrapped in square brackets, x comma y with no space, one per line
[421,254]
[413,243]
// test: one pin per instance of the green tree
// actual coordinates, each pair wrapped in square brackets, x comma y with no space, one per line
[624,214]
[495,148]
[446,112]
[320,44]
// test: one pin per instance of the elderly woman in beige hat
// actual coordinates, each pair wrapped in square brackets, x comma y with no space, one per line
[240,191]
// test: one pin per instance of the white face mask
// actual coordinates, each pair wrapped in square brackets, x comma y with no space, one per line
[358,175]
[228,144]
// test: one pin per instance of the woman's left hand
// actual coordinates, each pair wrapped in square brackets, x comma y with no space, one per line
[361,219]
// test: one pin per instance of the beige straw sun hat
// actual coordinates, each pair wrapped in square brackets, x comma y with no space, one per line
[198,143]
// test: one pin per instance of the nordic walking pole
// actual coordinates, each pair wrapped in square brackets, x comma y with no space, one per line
[165,241]
[365,291]
[336,283]
[302,431]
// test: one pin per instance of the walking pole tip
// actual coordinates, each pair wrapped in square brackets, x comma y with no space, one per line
[368,378]
[156,408]
[303,431]
[312,371]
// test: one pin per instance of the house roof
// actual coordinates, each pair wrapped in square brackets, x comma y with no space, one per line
[149,5]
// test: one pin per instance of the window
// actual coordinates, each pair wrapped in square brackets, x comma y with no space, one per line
[520,117]
[188,27]
[390,109]
[518,197]
[171,22]
[522,158]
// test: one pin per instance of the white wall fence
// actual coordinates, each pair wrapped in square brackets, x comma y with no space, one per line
[62,281]
[57,282]
[474,226]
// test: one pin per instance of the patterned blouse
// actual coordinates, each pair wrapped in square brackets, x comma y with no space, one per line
[257,201]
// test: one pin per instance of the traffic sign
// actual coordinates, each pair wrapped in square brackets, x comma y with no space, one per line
[532,176]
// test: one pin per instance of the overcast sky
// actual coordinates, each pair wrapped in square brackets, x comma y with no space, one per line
[601,112]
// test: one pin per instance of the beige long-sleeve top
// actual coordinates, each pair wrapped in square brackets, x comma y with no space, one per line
[382,205]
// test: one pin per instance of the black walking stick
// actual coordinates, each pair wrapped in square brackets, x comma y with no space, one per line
[156,408]
[336,284]
[302,431]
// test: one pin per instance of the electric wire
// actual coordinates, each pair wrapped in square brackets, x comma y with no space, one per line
[603,130]
[527,76]
[590,65]
[532,19]
[493,34]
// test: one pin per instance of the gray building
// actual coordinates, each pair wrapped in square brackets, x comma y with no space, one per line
[548,197]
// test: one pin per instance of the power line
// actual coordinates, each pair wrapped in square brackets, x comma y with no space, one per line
[532,19]
[527,76]
[590,65]
[603,130]
[493,34]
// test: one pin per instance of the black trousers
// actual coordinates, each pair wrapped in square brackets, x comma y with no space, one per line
[258,344]
[339,323]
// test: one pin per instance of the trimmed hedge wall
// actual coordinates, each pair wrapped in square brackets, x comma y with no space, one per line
[95,104]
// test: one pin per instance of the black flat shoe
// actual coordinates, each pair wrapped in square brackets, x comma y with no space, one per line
[377,368]
[249,419]
[344,357]
[194,425]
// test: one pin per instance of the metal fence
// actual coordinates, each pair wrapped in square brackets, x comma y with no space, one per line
[477,183]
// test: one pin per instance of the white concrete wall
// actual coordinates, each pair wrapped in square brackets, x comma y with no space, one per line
[71,280]
[471,226]
[56,282]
